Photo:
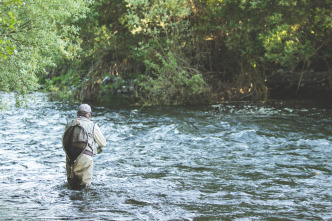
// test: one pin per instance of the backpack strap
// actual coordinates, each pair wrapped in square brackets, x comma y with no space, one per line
[93,137]
[93,131]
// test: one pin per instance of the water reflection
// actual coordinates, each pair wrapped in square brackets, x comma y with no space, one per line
[236,161]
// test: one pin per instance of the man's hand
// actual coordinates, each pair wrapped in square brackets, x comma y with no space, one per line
[99,150]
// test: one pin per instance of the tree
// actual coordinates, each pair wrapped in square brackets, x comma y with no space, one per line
[172,74]
[174,51]
[34,35]
[247,40]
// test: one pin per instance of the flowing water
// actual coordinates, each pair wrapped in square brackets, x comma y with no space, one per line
[233,161]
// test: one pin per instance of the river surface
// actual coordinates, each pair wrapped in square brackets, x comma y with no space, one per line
[233,161]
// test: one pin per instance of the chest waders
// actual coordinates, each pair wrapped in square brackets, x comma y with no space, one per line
[75,141]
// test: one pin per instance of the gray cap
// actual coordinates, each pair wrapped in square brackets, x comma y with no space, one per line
[84,108]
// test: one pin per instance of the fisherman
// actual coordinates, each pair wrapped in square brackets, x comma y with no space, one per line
[79,161]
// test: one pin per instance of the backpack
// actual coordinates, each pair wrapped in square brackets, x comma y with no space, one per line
[75,141]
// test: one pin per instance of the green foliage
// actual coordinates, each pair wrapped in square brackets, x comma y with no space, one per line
[283,45]
[179,48]
[160,26]
[8,24]
[164,31]
[249,39]
[34,36]
[294,40]
[63,87]
[155,17]
[171,84]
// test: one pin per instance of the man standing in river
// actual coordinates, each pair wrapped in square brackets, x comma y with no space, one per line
[82,139]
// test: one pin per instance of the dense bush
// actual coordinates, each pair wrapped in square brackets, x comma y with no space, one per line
[169,51]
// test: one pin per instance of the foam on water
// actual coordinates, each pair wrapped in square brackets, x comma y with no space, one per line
[233,161]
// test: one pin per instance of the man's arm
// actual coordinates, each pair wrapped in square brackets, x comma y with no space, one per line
[98,136]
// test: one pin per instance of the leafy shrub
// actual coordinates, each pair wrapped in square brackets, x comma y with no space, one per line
[171,84]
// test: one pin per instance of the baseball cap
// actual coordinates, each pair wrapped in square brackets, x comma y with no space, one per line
[84,108]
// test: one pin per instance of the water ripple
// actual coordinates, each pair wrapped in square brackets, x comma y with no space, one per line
[235,161]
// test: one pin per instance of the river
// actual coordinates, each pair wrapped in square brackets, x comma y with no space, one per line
[232,161]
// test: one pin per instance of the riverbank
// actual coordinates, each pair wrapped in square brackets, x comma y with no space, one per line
[279,85]
[302,85]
